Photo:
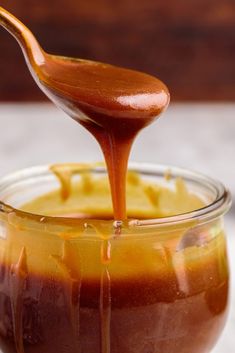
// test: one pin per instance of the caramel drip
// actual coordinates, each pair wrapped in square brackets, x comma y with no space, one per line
[65,172]
[105,251]
[105,297]
[105,310]
[17,287]
[69,265]
[65,181]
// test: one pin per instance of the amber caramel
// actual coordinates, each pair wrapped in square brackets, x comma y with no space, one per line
[89,290]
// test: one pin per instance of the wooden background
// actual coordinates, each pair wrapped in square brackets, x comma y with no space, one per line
[189,44]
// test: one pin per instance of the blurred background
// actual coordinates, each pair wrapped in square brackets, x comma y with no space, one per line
[190,45]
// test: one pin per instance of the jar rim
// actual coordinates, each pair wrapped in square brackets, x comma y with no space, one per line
[217,208]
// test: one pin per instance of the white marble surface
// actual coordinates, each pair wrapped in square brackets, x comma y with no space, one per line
[195,136]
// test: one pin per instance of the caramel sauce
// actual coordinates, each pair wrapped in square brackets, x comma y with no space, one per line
[114,104]
[91,291]
[60,293]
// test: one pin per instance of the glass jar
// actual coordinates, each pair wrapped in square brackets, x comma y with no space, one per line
[91,285]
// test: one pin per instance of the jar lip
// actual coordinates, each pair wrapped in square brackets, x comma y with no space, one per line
[217,208]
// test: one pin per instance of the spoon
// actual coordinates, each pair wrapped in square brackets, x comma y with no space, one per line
[85,83]
[113,103]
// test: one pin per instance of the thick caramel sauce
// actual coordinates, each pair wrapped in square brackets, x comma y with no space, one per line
[114,104]
[94,292]
[91,291]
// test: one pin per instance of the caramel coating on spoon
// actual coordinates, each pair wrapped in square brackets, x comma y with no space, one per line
[110,90]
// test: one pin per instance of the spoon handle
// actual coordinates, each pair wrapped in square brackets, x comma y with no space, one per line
[34,54]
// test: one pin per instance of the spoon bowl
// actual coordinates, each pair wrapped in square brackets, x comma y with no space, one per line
[81,87]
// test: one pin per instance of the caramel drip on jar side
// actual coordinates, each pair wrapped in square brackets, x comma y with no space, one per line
[65,172]
[69,263]
[65,181]
[105,252]
[105,297]
[19,274]
[105,310]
